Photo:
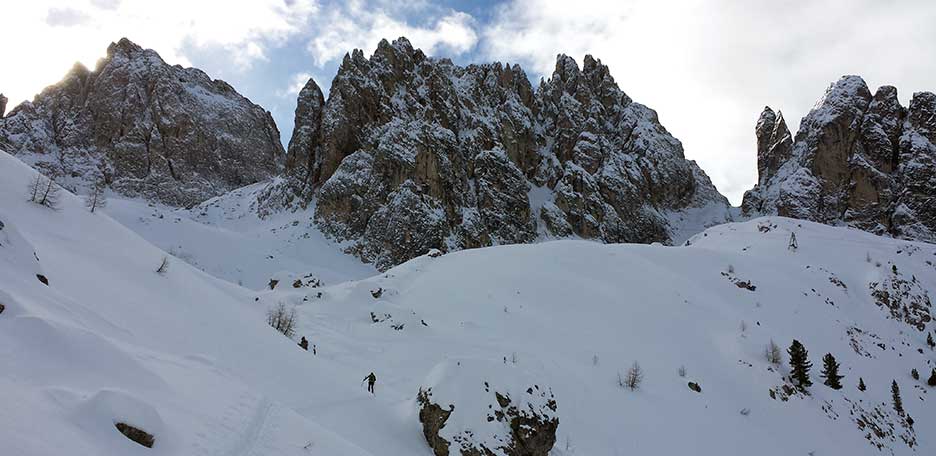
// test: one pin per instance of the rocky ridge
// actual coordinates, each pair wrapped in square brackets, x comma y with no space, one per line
[858,159]
[166,133]
[410,153]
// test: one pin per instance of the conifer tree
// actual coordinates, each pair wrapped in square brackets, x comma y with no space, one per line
[799,364]
[830,373]
[861,385]
[915,374]
[930,341]
[895,395]
[932,379]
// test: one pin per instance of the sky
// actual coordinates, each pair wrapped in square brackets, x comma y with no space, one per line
[708,67]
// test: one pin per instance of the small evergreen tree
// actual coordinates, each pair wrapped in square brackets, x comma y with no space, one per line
[930,341]
[895,395]
[914,374]
[799,364]
[932,379]
[861,385]
[830,373]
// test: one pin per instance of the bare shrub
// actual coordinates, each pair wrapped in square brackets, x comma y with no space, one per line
[772,353]
[633,378]
[163,266]
[682,371]
[282,319]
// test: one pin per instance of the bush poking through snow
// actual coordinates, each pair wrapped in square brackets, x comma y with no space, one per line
[282,319]
[695,387]
[861,385]
[932,378]
[915,374]
[137,435]
[681,371]
[633,378]
[772,353]
[163,266]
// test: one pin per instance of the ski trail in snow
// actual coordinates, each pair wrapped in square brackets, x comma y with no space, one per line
[254,431]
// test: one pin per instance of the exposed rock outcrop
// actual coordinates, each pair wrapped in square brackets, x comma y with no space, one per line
[164,132]
[465,412]
[411,153]
[858,159]
[3,103]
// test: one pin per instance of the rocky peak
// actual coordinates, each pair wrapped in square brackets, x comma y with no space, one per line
[163,132]
[774,143]
[3,103]
[858,159]
[415,152]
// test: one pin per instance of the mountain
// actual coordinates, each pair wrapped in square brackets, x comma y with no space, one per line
[540,335]
[858,159]
[410,153]
[145,128]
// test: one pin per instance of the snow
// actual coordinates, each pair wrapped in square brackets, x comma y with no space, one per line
[188,356]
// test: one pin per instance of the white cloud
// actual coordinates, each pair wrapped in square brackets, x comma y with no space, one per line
[709,67]
[296,83]
[362,26]
[58,36]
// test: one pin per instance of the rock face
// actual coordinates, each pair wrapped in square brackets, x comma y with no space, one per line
[858,159]
[164,132]
[411,153]
[465,412]
[3,103]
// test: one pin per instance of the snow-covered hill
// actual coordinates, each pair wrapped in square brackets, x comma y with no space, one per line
[190,359]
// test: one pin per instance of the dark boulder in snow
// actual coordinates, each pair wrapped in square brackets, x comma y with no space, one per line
[137,435]
[858,159]
[478,408]
[411,153]
[146,128]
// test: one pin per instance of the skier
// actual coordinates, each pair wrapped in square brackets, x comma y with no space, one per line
[371,379]
[304,343]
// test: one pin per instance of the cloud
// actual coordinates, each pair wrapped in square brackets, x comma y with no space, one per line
[58,37]
[65,17]
[296,83]
[362,26]
[709,67]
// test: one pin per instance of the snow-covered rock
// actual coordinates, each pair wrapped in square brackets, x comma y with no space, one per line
[146,128]
[410,153]
[859,159]
[476,407]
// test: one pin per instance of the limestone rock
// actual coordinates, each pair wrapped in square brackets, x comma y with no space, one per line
[858,159]
[478,408]
[146,128]
[411,153]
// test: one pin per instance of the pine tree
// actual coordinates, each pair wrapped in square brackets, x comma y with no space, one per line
[932,379]
[895,395]
[799,364]
[930,341]
[861,385]
[915,374]
[830,372]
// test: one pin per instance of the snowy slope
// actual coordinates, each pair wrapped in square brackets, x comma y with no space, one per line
[189,356]
[224,237]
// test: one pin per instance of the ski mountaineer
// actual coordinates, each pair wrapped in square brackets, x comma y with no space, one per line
[371,379]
